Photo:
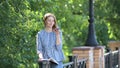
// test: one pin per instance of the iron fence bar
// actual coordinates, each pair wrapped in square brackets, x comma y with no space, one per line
[110,59]
[44,64]
[67,64]
[82,63]
[119,57]
[115,59]
[107,62]
[75,63]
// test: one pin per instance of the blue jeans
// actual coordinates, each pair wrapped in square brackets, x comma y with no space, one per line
[60,65]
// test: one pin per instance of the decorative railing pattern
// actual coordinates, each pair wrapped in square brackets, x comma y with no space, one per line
[74,63]
[112,59]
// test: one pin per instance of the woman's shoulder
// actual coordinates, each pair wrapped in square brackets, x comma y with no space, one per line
[40,32]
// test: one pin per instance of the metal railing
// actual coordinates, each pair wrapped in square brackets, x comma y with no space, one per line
[112,59]
[74,63]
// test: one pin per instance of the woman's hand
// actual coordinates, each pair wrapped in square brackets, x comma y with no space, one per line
[57,31]
[40,57]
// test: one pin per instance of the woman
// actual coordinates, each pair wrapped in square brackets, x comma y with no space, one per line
[49,41]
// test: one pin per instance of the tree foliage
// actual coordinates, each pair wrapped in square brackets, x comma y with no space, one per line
[20,20]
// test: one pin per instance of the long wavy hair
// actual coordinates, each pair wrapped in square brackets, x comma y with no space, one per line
[50,15]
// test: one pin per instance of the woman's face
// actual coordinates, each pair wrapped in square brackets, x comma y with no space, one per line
[49,22]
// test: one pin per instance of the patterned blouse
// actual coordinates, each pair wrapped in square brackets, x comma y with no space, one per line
[46,44]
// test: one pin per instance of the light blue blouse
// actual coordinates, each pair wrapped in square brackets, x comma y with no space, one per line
[46,44]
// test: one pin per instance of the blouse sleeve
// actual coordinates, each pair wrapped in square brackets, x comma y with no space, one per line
[38,42]
[60,45]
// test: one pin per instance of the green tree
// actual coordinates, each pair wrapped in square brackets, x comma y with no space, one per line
[20,20]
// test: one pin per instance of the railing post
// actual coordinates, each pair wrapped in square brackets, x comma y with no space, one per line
[70,58]
[110,58]
[75,61]
[44,64]
[119,57]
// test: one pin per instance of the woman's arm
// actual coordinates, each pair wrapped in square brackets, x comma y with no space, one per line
[39,47]
[58,38]
[58,41]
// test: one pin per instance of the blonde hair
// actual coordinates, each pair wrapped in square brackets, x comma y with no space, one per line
[50,15]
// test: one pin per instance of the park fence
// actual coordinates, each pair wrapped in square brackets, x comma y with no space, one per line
[112,59]
[73,63]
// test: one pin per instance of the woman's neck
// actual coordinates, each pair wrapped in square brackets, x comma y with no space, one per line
[48,29]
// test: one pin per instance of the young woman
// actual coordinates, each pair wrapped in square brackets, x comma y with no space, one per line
[49,41]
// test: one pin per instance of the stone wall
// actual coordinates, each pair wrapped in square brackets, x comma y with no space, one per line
[114,45]
[95,55]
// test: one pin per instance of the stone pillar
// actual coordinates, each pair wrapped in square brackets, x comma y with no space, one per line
[98,54]
[114,45]
[95,55]
[84,52]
